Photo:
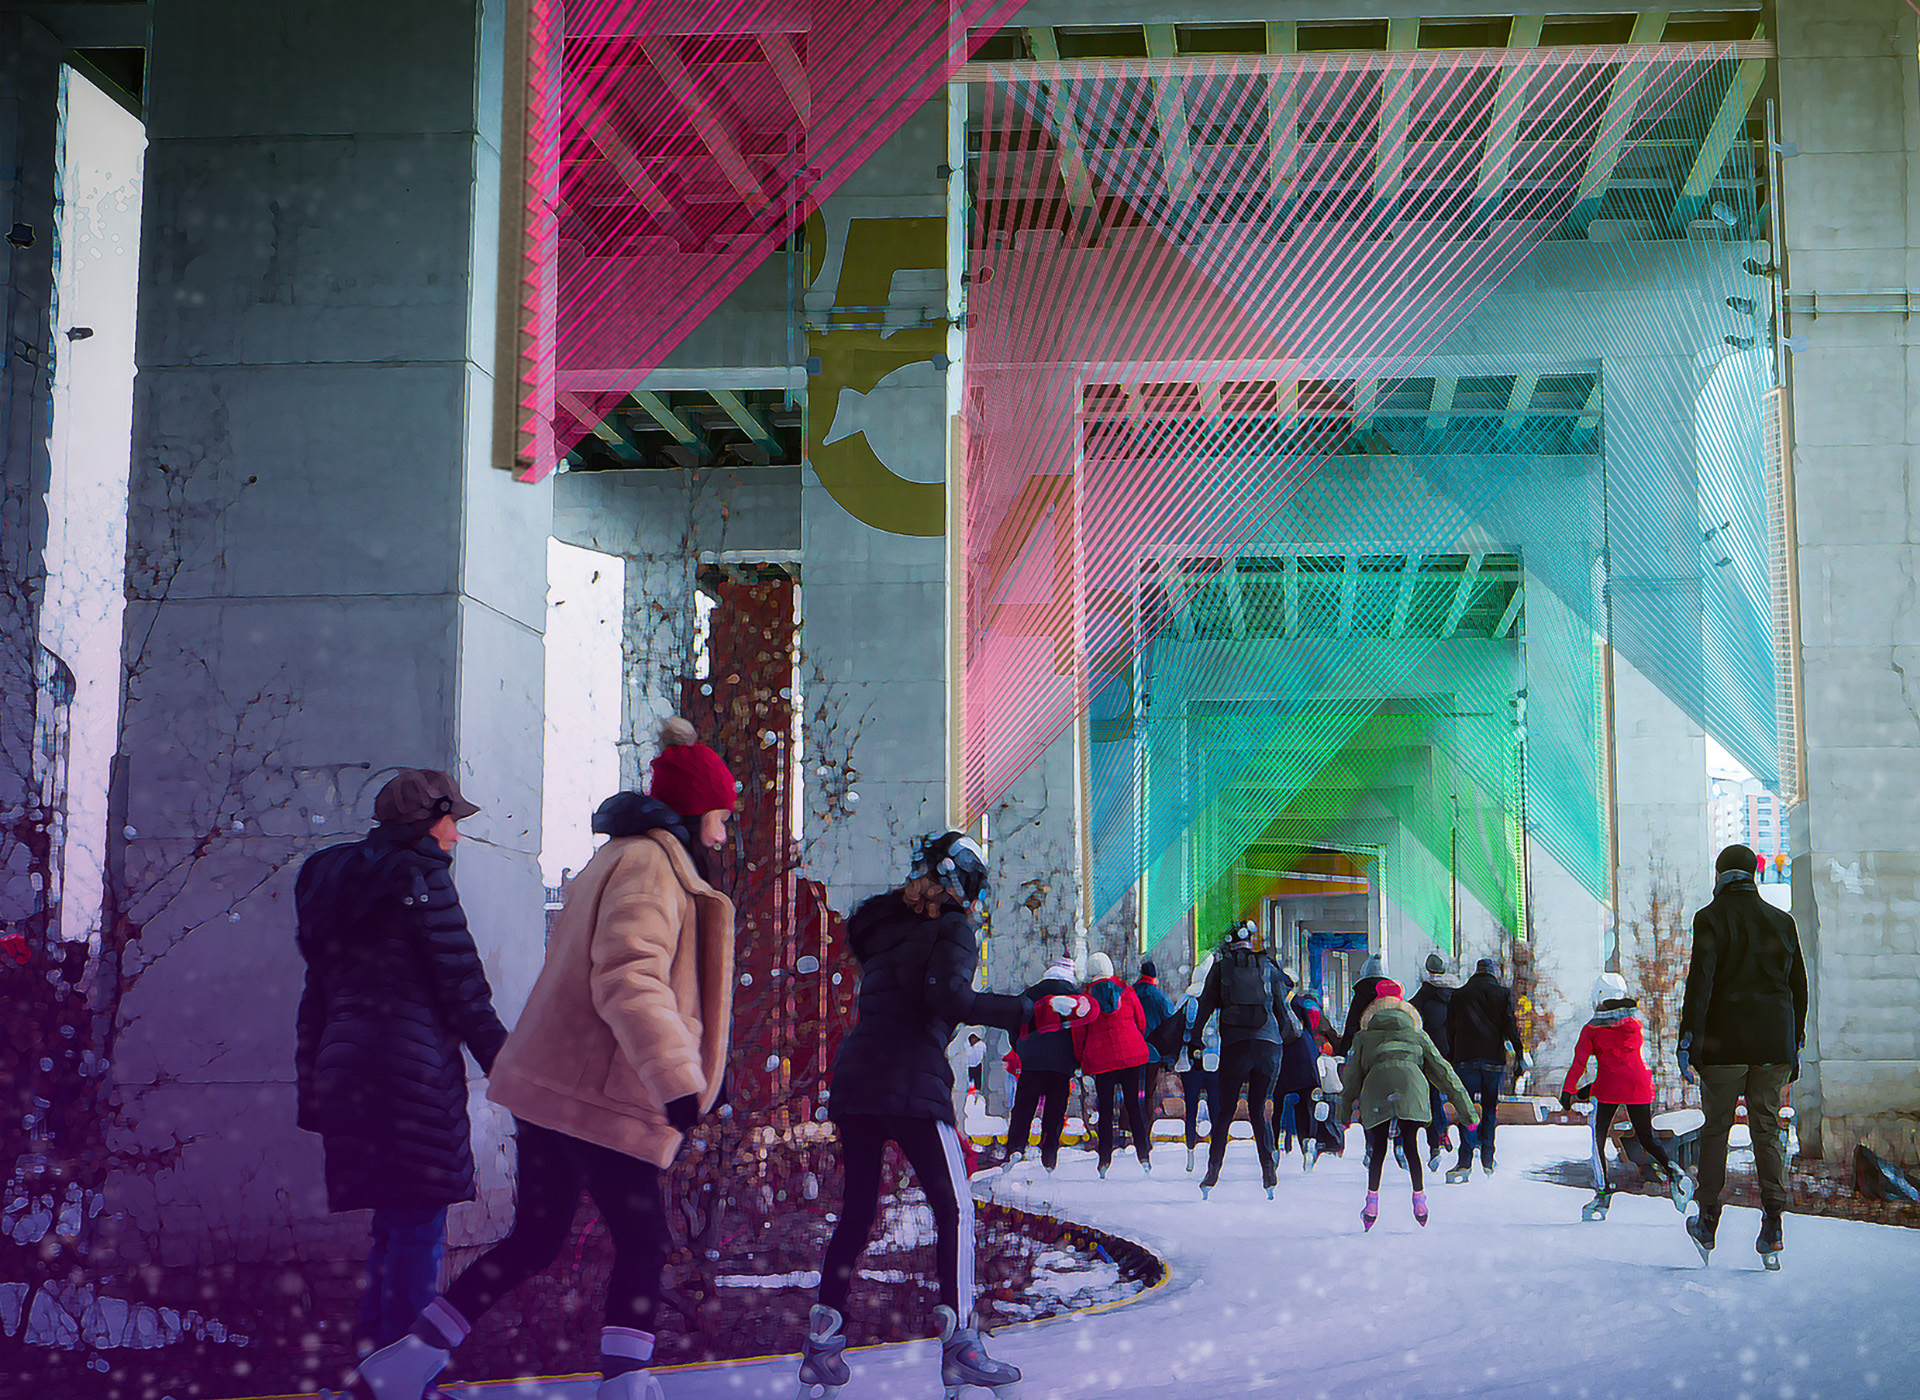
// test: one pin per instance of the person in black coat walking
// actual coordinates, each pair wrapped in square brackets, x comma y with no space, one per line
[1743,1023]
[1432,1002]
[1248,990]
[1158,1007]
[1481,1024]
[394,988]
[1045,1052]
[1372,973]
[893,1082]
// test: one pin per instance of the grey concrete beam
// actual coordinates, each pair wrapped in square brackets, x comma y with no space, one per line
[1728,124]
[1065,13]
[749,422]
[1519,400]
[1512,613]
[663,53]
[1396,102]
[1463,595]
[1170,106]
[1610,140]
[1509,105]
[667,417]
[1073,160]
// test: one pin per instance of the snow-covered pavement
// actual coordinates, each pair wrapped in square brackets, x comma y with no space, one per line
[1505,1293]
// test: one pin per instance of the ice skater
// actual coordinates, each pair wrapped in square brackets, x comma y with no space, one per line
[1743,1023]
[1614,1039]
[1245,986]
[1437,987]
[1045,1055]
[1113,1049]
[1200,1079]
[893,1082]
[1388,1071]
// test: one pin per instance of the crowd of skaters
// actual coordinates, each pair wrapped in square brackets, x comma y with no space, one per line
[622,1046]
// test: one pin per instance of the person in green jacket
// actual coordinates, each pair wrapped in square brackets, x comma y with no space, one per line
[1386,1077]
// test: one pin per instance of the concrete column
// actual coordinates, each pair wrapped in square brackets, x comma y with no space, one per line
[1665,806]
[29,162]
[1850,99]
[328,580]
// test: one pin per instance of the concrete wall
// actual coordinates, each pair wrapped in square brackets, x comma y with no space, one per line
[1849,98]
[329,579]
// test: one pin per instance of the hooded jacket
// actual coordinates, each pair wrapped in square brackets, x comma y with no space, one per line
[394,987]
[916,987]
[1746,998]
[1279,1025]
[1481,1023]
[1392,1063]
[633,1007]
[1372,973]
[1615,1040]
[1157,1005]
[1300,1057]
[1117,1039]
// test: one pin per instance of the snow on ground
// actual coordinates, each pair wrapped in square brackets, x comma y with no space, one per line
[1507,1293]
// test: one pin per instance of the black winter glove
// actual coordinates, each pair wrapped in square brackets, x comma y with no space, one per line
[1566,1101]
[684,1112]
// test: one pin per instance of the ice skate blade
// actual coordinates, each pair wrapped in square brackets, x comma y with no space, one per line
[811,1391]
[1269,1193]
[1000,1392]
[1593,1212]
[1706,1255]
[1681,1193]
[1204,1192]
[1459,1176]
[1771,1258]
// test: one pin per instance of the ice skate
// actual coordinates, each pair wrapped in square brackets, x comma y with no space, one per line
[1400,1155]
[401,1371]
[823,1362]
[1420,1206]
[1486,1167]
[1680,1190]
[1596,1209]
[634,1385]
[1190,1156]
[1772,1240]
[1309,1155]
[1103,1170]
[964,1360]
[1701,1228]
[1146,1167]
[1370,1212]
[1433,1160]
[1459,1175]
[1269,1177]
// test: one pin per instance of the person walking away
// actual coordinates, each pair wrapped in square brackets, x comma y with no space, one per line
[976,1063]
[394,989]
[620,1051]
[892,1082]
[1387,1077]
[1372,973]
[1200,1078]
[1480,1026]
[1435,994]
[1614,1039]
[1328,1134]
[1113,1049]
[1743,1024]
[1293,1090]
[1047,1063]
[1245,988]
[1158,1006]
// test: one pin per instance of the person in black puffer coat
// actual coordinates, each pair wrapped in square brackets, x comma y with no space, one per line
[1047,1064]
[1431,1001]
[394,988]
[1372,973]
[892,1080]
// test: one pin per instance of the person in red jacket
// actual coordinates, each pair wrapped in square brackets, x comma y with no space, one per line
[1614,1039]
[1113,1049]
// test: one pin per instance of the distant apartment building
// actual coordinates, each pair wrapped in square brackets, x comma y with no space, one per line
[1745,813]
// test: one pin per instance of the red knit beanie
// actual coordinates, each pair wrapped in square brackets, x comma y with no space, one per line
[688,776]
[1387,987]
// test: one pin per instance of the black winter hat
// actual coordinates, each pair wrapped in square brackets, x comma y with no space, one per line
[1436,964]
[1147,969]
[1484,965]
[1740,858]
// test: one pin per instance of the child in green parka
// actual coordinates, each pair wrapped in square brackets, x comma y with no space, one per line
[1386,1078]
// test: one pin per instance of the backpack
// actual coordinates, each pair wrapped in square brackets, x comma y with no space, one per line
[1246,1001]
[1167,1038]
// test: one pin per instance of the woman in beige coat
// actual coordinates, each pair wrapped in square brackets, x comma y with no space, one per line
[621,1048]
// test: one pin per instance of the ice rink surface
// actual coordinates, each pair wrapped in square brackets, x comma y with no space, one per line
[1506,1292]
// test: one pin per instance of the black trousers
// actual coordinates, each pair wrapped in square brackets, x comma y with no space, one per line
[1131,1083]
[1641,1116]
[1249,1067]
[554,1169]
[1033,1086]
[932,1149]
[1194,1085]
[1377,1151]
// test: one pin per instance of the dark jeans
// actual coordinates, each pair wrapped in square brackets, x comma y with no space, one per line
[403,1272]
[1292,1118]
[1437,1119]
[1721,1089]
[1483,1080]
[932,1149]
[1641,1116]
[1249,1066]
[1029,1089]
[1131,1083]
[1194,1085]
[1377,1152]
[554,1169]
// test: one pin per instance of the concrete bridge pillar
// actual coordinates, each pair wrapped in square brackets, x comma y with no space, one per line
[327,579]
[1850,100]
